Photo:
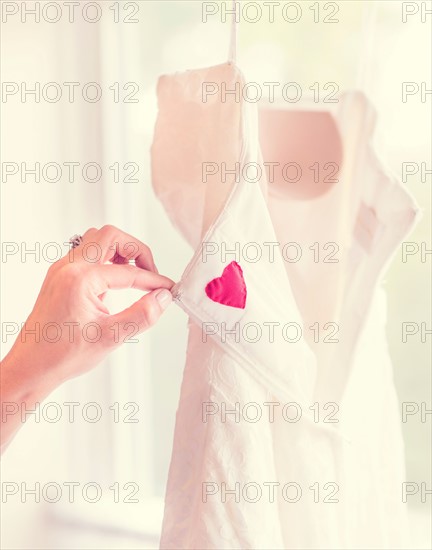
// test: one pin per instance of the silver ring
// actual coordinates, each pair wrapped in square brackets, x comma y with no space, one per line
[75,241]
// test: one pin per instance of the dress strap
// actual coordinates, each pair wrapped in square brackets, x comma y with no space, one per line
[367,35]
[235,12]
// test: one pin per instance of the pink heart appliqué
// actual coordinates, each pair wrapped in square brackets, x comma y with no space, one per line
[230,288]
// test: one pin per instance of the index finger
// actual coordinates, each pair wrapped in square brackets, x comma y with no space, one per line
[116,243]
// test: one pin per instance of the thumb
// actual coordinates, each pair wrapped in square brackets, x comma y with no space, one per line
[142,314]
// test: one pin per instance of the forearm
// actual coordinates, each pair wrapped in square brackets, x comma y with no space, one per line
[24,382]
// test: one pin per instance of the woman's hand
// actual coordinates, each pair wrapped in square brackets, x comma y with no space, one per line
[70,329]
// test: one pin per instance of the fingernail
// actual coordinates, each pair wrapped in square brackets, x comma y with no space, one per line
[164,298]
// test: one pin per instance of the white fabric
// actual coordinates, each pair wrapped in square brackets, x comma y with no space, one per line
[359,460]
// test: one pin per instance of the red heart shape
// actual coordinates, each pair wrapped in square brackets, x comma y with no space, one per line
[230,288]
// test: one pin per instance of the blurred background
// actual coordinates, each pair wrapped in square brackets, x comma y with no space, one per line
[375,46]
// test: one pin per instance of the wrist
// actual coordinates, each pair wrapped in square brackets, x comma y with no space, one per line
[24,379]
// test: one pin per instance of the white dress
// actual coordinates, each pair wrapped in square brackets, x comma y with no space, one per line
[291,341]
